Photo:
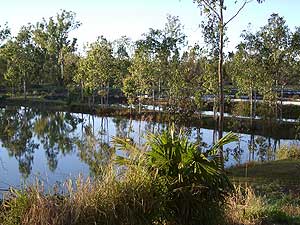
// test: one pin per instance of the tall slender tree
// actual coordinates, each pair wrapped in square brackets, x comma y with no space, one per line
[214,10]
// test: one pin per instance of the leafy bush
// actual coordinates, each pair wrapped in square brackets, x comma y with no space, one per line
[11,211]
[196,185]
[288,152]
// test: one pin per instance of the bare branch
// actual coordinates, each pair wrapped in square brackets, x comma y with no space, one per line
[239,10]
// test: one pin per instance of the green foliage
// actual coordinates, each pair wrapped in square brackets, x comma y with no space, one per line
[288,152]
[12,210]
[96,69]
[196,185]
[52,36]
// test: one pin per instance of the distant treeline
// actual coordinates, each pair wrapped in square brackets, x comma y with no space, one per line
[162,64]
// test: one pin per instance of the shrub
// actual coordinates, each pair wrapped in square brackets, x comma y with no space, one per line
[196,185]
[288,152]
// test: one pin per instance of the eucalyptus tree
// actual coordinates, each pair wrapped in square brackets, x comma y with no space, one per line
[246,66]
[163,46]
[122,58]
[148,48]
[276,55]
[70,69]
[215,13]
[96,69]
[210,81]
[187,82]
[295,55]
[21,56]
[53,36]
[142,75]
[4,36]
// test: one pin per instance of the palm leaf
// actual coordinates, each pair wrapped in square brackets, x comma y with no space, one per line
[228,138]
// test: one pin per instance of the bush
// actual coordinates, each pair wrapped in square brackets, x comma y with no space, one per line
[197,185]
[288,152]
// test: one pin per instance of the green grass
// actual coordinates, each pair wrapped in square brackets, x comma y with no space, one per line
[268,193]
[285,172]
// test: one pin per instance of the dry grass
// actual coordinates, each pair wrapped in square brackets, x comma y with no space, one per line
[244,207]
[133,198]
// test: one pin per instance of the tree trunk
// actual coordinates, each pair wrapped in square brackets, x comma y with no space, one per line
[24,88]
[221,79]
[254,104]
[276,100]
[159,96]
[140,105]
[159,89]
[107,94]
[281,102]
[153,98]
[61,68]
[251,146]
[81,90]
[251,106]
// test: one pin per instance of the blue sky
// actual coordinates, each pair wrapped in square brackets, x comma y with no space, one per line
[114,18]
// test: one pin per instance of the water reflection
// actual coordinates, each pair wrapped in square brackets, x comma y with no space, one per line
[55,132]
[16,136]
[94,149]
[57,145]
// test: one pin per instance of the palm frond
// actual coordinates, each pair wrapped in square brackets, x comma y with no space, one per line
[228,138]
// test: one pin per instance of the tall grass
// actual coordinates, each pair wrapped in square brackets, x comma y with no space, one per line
[245,207]
[136,197]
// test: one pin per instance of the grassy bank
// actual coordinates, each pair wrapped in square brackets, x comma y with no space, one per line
[139,197]
[267,193]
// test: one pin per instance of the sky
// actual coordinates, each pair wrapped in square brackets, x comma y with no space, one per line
[115,18]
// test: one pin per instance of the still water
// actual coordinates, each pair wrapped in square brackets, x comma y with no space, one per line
[54,146]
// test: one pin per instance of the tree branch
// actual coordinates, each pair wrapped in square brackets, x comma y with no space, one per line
[211,8]
[239,10]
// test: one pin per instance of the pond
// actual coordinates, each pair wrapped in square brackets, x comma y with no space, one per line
[53,146]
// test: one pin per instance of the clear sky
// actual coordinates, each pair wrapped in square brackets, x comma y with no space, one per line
[114,18]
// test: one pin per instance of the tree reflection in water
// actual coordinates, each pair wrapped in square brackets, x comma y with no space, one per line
[16,136]
[55,131]
[21,128]
[94,148]
[58,134]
